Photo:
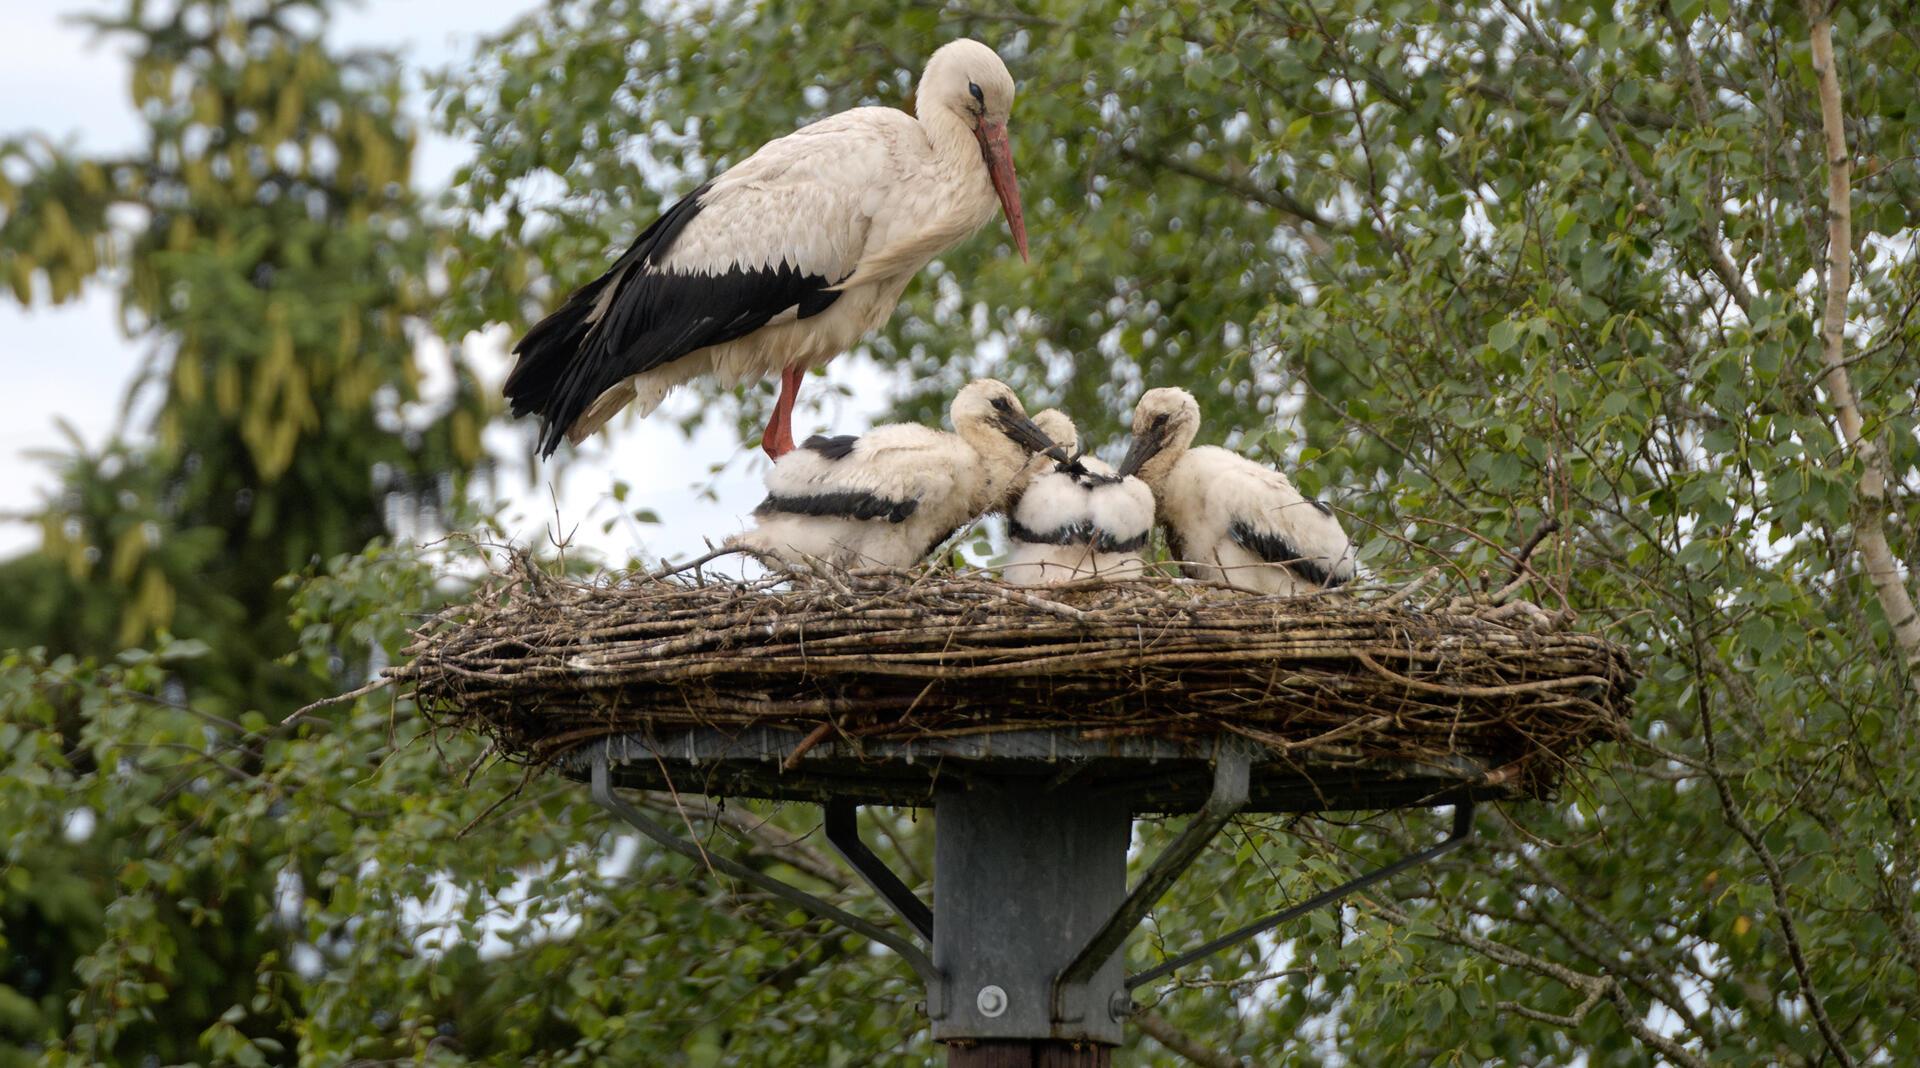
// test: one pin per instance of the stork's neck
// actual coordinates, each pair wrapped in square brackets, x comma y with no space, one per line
[1155,471]
[951,134]
[958,163]
[1000,468]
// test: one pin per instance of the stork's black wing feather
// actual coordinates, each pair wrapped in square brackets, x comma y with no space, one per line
[1108,543]
[837,447]
[1081,532]
[647,317]
[842,505]
[1275,549]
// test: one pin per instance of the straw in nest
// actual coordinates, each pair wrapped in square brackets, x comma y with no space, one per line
[544,665]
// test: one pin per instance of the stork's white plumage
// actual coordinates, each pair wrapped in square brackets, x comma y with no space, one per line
[784,261]
[1228,519]
[1076,519]
[888,497]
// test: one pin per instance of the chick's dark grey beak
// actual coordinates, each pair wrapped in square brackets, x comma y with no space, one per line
[1027,434]
[1142,449]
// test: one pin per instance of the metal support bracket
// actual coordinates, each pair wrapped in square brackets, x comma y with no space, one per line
[843,831]
[1229,796]
[916,958]
[1462,829]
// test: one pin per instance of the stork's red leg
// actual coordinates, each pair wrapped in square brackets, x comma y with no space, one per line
[777,439]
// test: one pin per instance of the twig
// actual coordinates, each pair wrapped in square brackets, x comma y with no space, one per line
[1242,187]
[375,686]
[1403,593]
[1034,601]
[818,735]
[1527,547]
[1573,1019]
[1157,1027]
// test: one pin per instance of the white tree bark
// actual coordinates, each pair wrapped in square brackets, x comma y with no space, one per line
[1870,534]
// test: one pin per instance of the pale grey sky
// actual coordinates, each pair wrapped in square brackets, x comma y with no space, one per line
[72,363]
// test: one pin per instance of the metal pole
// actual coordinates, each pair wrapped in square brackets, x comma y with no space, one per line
[1030,878]
[843,830]
[1229,796]
[1023,877]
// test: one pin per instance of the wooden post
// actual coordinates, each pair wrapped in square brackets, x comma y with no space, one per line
[1029,1053]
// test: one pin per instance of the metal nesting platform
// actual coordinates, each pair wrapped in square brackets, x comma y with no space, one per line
[1146,774]
[1034,730]
[1021,953]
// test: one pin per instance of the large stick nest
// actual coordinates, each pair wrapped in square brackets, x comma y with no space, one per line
[544,665]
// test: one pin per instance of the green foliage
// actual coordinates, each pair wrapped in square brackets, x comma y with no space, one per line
[1466,269]
[278,268]
[270,253]
[392,931]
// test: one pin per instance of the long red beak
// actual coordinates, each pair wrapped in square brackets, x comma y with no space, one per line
[999,157]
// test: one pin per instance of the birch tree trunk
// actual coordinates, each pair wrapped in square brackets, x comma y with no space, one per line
[1869,523]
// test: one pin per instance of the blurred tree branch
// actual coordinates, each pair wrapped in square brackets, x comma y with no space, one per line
[1156,1026]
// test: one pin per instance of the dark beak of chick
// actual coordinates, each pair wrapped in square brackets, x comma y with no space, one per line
[1143,448]
[1028,435]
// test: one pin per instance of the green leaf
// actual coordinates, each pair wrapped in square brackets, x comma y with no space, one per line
[1502,336]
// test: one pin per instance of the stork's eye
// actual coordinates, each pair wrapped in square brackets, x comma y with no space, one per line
[979,97]
[1003,404]
[1159,421]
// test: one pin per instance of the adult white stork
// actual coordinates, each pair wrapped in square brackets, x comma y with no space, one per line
[1228,519]
[888,497]
[1076,518]
[785,260]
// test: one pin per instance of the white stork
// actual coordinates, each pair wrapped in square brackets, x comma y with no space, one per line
[1228,519]
[1076,518]
[890,496]
[785,260]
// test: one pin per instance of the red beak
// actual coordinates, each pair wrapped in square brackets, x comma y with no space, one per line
[999,157]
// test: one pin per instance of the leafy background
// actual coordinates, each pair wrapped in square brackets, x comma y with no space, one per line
[1465,268]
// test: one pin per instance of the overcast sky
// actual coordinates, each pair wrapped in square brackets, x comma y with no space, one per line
[71,363]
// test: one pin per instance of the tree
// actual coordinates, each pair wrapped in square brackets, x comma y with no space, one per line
[1466,269]
[270,252]
[278,272]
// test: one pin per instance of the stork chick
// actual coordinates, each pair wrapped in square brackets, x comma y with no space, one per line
[784,261]
[1076,518]
[889,497]
[1227,518]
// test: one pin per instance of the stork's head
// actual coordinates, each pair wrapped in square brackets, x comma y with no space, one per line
[1164,423]
[988,416]
[966,78]
[1058,429]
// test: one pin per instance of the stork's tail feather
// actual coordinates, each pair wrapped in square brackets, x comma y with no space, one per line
[621,323]
[545,380]
[605,407]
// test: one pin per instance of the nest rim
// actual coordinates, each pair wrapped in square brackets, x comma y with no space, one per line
[872,685]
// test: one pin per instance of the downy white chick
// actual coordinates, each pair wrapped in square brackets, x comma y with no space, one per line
[1076,519]
[889,497]
[1227,518]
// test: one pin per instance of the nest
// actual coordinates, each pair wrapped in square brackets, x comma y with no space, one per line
[545,666]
